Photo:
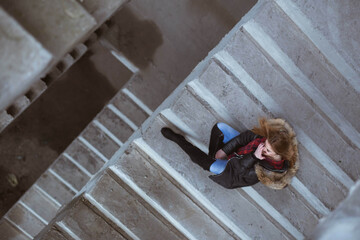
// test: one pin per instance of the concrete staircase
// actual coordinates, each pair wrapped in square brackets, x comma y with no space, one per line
[131,183]
[76,166]
[51,37]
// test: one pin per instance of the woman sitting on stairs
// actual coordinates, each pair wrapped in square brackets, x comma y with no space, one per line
[267,153]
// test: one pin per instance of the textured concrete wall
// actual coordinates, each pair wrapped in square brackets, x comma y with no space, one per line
[344,222]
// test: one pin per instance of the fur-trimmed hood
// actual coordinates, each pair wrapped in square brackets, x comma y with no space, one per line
[277,180]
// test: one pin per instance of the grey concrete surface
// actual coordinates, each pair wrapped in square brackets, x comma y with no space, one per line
[344,221]
[118,201]
[338,22]
[87,225]
[262,88]
[84,89]
[22,60]
[26,220]
[40,203]
[58,25]
[151,42]
[265,80]
[84,157]
[9,231]
[158,187]
[101,11]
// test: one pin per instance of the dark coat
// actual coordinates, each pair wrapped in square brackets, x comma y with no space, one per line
[239,171]
[247,170]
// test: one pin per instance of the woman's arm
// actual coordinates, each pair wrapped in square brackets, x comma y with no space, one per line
[239,141]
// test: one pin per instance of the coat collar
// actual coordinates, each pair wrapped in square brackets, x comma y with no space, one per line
[280,179]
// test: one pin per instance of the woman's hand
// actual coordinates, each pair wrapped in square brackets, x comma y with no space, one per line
[220,154]
[258,151]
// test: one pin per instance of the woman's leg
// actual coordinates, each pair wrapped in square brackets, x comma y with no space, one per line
[221,133]
[229,132]
[195,154]
[216,141]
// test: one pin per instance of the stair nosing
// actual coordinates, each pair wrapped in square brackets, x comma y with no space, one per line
[327,50]
[193,194]
[223,57]
[300,82]
[110,219]
[101,127]
[18,228]
[155,207]
[91,148]
[267,209]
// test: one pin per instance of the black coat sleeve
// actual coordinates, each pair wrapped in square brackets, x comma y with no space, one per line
[239,172]
[239,141]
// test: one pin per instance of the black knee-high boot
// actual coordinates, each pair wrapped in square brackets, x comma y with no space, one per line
[195,154]
[216,141]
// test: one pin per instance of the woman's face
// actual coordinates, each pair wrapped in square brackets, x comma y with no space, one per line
[268,151]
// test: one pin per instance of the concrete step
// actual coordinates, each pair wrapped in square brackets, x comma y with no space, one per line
[58,25]
[163,194]
[266,196]
[67,168]
[39,86]
[5,120]
[84,222]
[21,61]
[303,193]
[117,123]
[19,105]
[218,198]
[131,106]
[36,90]
[84,156]
[157,181]
[41,203]
[335,40]
[56,187]
[9,231]
[26,219]
[55,234]
[243,113]
[99,141]
[113,197]
[282,99]
[102,11]
[316,70]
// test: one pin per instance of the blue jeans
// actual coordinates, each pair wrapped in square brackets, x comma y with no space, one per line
[229,133]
